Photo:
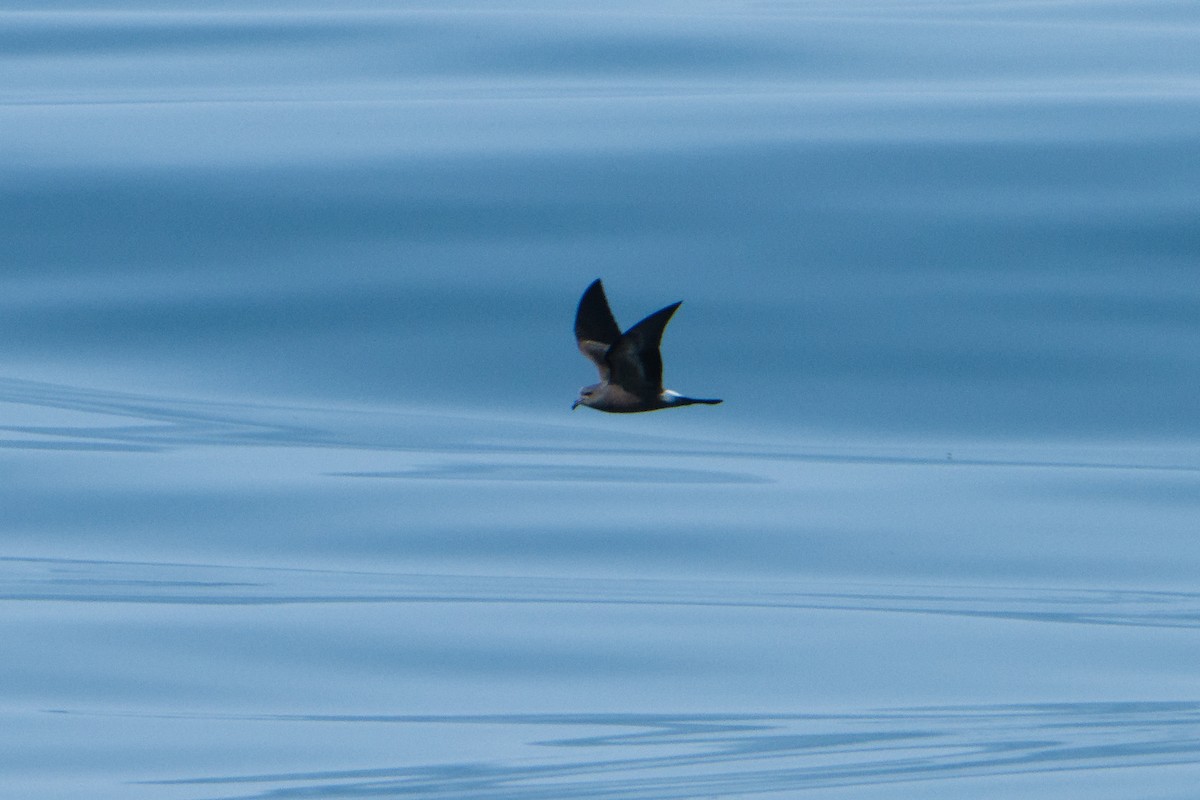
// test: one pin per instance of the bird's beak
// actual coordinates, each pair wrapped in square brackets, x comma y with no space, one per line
[574,405]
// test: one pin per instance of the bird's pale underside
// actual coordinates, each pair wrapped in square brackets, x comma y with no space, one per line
[630,364]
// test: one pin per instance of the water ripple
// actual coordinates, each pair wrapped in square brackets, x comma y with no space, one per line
[40,579]
[665,757]
[80,418]
[561,473]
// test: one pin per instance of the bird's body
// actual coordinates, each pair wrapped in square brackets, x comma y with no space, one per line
[630,364]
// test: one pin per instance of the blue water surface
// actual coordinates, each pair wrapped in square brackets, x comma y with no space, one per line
[292,501]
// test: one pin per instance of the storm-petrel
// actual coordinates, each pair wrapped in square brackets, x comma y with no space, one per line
[629,363]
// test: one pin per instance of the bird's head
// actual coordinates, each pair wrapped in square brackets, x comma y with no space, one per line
[587,396]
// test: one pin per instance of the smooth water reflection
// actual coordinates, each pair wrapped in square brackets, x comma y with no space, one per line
[292,503]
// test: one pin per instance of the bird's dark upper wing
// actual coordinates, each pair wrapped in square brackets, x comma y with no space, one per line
[595,329]
[634,361]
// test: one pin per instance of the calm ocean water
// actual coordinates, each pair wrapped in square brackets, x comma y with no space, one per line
[292,503]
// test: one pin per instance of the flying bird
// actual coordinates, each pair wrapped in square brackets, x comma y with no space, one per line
[630,364]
